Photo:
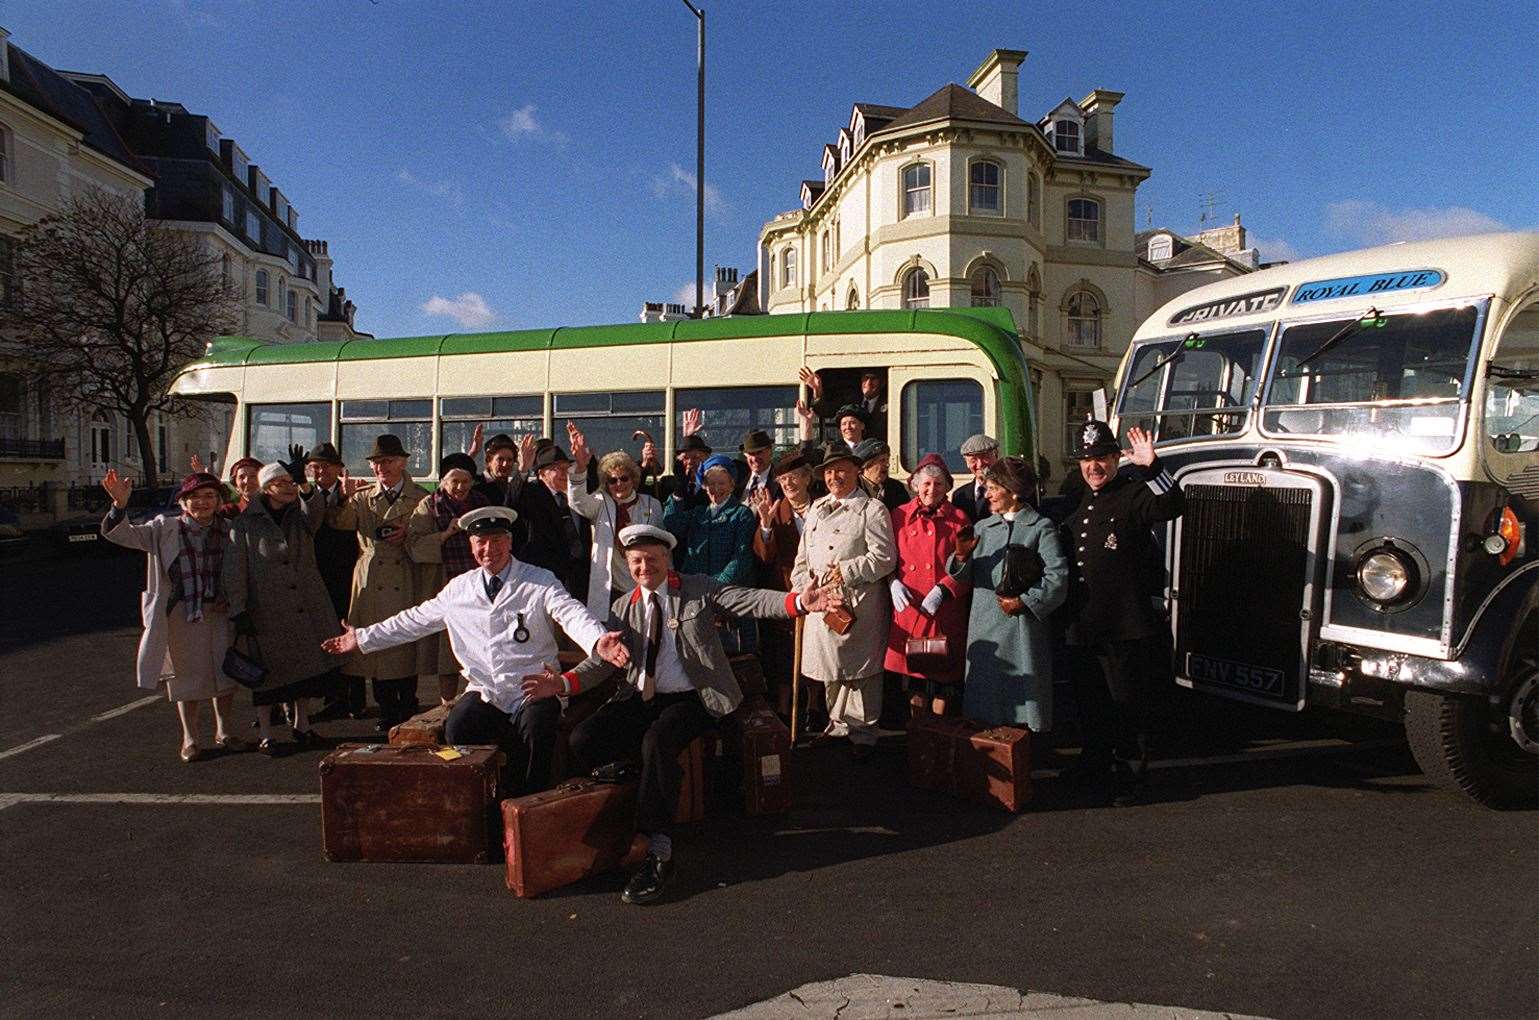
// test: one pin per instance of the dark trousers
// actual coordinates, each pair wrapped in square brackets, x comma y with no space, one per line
[1112,682]
[659,730]
[527,738]
[348,694]
[397,699]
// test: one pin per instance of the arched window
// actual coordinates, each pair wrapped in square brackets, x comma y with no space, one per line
[1034,199]
[788,268]
[261,287]
[984,189]
[1084,223]
[1161,247]
[852,302]
[985,288]
[916,289]
[1084,320]
[828,254]
[916,189]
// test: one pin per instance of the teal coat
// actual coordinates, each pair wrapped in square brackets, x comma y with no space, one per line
[1009,677]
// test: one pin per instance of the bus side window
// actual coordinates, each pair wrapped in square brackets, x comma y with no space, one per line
[730,412]
[1512,404]
[843,386]
[938,415]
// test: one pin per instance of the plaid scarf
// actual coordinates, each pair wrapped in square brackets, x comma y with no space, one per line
[195,574]
[455,552]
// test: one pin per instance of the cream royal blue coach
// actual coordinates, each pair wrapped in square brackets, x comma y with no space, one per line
[1358,440]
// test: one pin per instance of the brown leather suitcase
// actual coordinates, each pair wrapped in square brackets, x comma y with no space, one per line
[384,803]
[986,764]
[425,728]
[748,670]
[757,738]
[561,836]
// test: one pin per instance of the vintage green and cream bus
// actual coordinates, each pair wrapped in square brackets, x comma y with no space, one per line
[947,375]
[1358,440]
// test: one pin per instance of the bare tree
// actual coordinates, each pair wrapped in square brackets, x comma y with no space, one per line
[109,306]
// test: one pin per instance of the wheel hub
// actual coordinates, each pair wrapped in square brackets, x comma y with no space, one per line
[1523,715]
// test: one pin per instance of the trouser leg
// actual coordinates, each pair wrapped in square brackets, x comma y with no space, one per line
[535,727]
[613,733]
[355,694]
[679,721]
[1126,668]
[1092,701]
[389,705]
[854,706]
[473,721]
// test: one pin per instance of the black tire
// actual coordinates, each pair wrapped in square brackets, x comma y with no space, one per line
[1464,745]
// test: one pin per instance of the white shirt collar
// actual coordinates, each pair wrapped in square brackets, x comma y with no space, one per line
[506,573]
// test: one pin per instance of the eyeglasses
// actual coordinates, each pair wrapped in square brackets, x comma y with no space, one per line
[616,479]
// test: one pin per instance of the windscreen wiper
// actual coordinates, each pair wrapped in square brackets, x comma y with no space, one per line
[1374,318]
[1169,359]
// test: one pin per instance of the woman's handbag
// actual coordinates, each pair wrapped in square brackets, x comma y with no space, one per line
[925,655]
[1022,569]
[244,669]
[839,620]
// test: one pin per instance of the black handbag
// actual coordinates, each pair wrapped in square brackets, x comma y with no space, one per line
[1021,570]
[245,670]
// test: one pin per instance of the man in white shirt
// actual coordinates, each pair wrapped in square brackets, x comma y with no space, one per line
[501,621]
[678,684]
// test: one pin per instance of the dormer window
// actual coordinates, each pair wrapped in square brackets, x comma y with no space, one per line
[1161,247]
[1066,137]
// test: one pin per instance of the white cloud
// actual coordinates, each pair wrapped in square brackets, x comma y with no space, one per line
[1274,249]
[523,123]
[448,190]
[685,295]
[1372,223]
[468,309]
[679,180]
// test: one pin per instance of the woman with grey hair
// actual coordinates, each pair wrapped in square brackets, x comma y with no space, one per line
[617,505]
[1019,575]
[928,603]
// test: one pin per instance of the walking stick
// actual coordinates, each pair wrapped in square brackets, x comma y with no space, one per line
[796,674]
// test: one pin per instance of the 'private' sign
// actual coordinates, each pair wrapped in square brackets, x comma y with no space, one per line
[1363,286]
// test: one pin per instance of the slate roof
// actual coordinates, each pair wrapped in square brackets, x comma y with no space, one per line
[44,89]
[954,102]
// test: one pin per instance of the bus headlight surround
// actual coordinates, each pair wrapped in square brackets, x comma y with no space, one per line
[1389,574]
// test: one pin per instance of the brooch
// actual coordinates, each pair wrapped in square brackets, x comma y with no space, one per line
[1111,541]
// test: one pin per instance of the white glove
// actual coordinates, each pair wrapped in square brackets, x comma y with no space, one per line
[900,596]
[933,600]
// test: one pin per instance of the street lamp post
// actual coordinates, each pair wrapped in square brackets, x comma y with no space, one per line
[699,166]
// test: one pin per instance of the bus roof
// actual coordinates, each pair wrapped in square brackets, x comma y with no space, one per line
[1506,265]
[991,329]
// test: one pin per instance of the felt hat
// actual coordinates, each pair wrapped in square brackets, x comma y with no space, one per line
[934,460]
[835,452]
[756,441]
[715,460]
[548,455]
[199,480]
[644,534]
[244,462]
[693,444]
[1096,439]
[868,450]
[852,411]
[387,445]
[324,453]
[457,462]
[979,443]
[488,520]
[501,441]
[788,462]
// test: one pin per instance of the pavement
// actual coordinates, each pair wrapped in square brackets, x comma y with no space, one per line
[1285,866]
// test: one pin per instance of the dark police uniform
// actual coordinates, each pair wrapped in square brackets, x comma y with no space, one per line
[1116,576]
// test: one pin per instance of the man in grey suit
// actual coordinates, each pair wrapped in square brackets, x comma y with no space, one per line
[677,685]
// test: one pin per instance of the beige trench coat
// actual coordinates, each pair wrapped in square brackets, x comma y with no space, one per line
[436,656]
[856,534]
[385,579]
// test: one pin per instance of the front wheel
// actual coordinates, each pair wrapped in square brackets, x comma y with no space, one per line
[1466,745]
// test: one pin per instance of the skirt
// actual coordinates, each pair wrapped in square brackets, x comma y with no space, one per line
[194,666]
[315,687]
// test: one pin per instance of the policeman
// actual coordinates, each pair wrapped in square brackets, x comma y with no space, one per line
[501,621]
[1114,587]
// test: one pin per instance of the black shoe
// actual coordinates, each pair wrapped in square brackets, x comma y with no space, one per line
[1127,784]
[646,886]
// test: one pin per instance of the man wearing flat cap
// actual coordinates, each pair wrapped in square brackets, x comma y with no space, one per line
[1116,578]
[502,621]
[679,681]
[979,453]
[848,541]
[385,580]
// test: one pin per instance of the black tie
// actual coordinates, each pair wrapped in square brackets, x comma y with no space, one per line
[493,586]
[654,645]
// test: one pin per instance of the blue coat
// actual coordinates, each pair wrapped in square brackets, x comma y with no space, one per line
[1009,677]
[720,544]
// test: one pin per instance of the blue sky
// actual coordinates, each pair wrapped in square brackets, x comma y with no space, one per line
[508,165]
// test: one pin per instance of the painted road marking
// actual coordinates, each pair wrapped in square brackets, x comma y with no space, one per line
[238,799]
[1300,749]
[29,745]
[125,709]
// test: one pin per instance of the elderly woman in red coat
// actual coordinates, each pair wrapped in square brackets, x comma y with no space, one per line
[926,601]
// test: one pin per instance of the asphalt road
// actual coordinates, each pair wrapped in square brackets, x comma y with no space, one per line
[1286,867]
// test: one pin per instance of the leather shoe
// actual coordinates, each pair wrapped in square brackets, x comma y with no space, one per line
[190,753]
[646,886]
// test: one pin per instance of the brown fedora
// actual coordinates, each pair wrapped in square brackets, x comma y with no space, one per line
[387,445]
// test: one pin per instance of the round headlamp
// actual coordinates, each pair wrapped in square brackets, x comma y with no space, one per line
[1385,576]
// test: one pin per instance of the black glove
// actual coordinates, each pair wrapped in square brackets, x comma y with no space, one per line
[245,626]
[295,465]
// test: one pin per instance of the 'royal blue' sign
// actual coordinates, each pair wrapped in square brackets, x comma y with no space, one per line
[1362,286]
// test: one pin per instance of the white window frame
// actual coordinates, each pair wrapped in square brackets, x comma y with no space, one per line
[908,196]
[1081,331]
[990,297]
[788,268]
[912,299]
[1161,247]
[262,287]
[1076,137]
[999,187]
[1075,227]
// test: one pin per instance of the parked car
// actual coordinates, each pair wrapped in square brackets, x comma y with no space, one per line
[83,530]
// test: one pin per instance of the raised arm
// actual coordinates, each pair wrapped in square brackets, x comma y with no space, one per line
[408,625]
[1164,501]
